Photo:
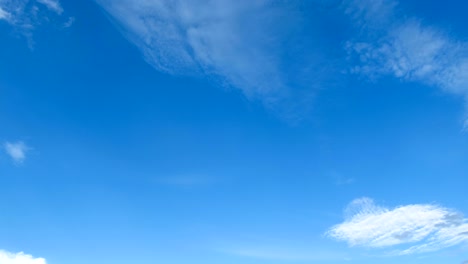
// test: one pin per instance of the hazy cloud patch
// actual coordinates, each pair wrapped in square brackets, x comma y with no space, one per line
[17,151]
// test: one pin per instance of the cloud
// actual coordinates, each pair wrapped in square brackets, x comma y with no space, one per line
[223,38]
[248,45]
[4,14]
[405,48]
[17,151]
[271,50]
[19,258]
[26,15]
[53,5]
[421,227]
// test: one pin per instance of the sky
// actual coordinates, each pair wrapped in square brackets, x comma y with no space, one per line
[255,132]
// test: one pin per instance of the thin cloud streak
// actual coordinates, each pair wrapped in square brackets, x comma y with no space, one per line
[53,5]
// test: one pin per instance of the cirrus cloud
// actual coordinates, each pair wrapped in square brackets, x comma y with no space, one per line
[252,46]
[26,15]
[226,39]
[406,48]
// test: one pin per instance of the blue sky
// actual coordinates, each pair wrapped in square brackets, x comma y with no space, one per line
[263,132]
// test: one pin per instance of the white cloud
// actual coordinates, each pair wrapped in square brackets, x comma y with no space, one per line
[226,39]
[19,258]
[17,151]
[242,44]
[422,227]
[53,5]
[405,48]
[253,45]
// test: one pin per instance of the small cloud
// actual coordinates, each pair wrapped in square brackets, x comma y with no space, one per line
[424,227]
[345,181]
[69,23]
[52,5]
[465,126]
[341,180]
[19,258]
[4,14]
[17,151]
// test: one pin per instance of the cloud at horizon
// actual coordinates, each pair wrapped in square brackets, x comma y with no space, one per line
[19,258]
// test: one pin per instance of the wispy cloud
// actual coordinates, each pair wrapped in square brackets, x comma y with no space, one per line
[339,179]
[19,258]
[248,45]
[53,5]
[407,48]
[422,227]
[260,46]
[17,151]
[228,39]
[4,14]
[26,15]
